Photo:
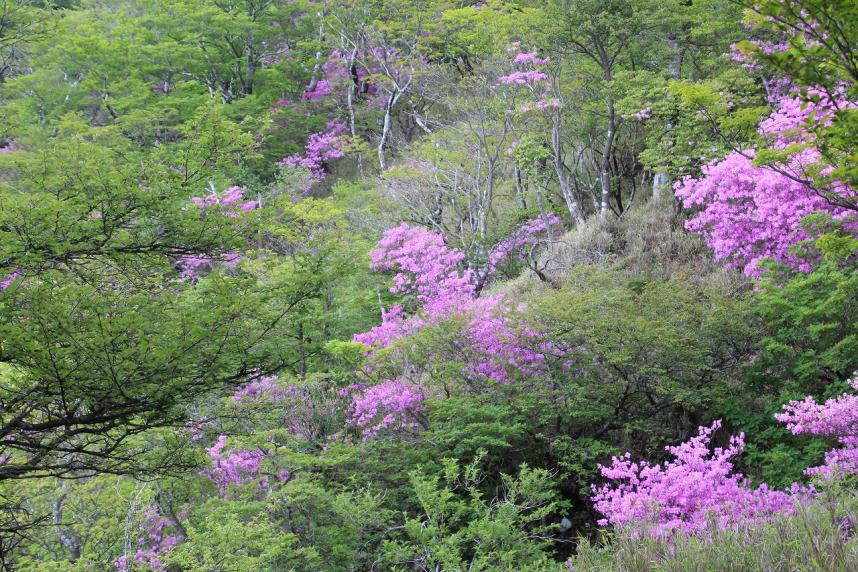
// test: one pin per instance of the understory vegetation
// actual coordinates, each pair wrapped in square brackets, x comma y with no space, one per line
[434,285]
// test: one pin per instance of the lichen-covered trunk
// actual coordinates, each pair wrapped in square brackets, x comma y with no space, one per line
[605,163]
[562,173]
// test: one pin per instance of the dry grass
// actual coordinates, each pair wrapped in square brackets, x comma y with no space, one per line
[819,538]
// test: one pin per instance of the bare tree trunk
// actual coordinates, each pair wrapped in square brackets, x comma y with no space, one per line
[317,68]
[562,173]
[605,163]
[249,65]
[385,129]
[519,189]
[661,181]
[353,88]
[68,539]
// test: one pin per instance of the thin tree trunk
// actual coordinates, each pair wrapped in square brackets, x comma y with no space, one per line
[562,173]
[605,163]
[249,66]
[317,68]
[353,88]
[385,130]
[661,181]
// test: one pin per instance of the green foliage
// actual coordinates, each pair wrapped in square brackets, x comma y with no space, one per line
[117,371]
[237,537]
[812,337]
[461,529]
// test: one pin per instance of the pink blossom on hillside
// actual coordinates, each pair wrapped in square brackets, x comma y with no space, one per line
[322,89]
[530,58]
[837,418]
[433,273]
[233,468]
[394,325]
[424,265]
[523,77]
[321,148]
[427,269]
[11,277]
[390,404]
[794,117]
[8,147]
[497,345]
[748,213]
[264,389]
[231,201]
[193,266]
[643,114]
[688,493]
[155,541]
[523,239]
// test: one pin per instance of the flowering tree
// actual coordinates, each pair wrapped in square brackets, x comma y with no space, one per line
[320,149]
[542,98]
[432,273]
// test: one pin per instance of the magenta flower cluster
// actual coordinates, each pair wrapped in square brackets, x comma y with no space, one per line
[750,213]
[836,418]
[699,488]
[435,275]
[266,389]
[321,148]
[424,265]
[237,467]
[520,243]
[531,78]
[390,404]
[7,281]
[696,490]
[157,538]
[232,201]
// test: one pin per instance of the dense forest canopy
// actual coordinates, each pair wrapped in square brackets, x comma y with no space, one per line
[428,285]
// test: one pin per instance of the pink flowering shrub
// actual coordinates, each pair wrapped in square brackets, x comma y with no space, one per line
[427,269]
[157,538]
[528,76]
[749,213]
[394,325]
[7,281]
[524,77]
[320,149]
[234,468]
[498,347]
[192,266]
[424,265]
[390,404]
[687,494]
[836,418]
[8,147]
[265,389]
[320,90]
[232,201]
